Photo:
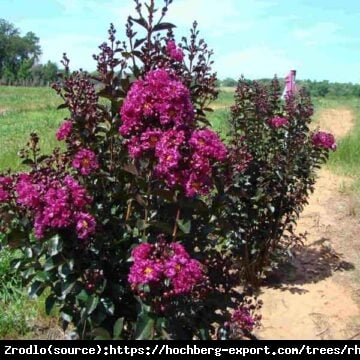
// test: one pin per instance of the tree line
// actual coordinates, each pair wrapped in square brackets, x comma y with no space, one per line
[19,58]
[19,65]
[315,88]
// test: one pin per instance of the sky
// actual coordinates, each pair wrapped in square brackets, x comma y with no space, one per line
[256,38]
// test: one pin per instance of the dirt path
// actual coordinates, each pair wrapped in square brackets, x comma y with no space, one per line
[318,295]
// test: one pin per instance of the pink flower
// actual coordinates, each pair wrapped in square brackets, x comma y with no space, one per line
[79,196]
[170,46]
[57,210]
[277,122]
[184,274]
[324,140]
[6,181]
[208,144]
[174,52]
[158,123]
[144,272]
[64,130]
[168,154]
[154,263]
[142,251]
[243,319]
[197,183]
[179,249]
[150,138]
[28,194]
[55,203]
[85,225]
[158,100]
[85,161]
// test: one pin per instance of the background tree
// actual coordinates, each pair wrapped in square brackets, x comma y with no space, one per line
[17,53]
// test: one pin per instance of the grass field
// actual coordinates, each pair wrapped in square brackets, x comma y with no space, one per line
[346,159]
[24,110]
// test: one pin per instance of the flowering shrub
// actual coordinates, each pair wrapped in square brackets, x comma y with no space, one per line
[264,200]
[116,225]
[138,227]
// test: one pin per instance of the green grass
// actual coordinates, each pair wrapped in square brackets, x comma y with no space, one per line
[22,111]
[17,310]
[346,159]
[219,117]
[219,120]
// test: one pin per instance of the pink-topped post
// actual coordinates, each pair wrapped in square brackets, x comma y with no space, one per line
[290,85]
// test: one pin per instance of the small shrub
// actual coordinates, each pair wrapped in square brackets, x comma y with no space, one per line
[264,200]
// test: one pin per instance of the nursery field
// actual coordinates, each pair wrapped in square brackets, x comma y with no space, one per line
[315,296]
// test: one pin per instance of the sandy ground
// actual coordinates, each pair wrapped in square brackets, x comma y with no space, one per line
[317,296]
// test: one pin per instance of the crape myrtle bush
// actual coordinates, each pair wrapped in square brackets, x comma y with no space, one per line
[144,225]
[262,203]
[116,226]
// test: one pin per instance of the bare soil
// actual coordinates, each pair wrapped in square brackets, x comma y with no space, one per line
[317,294]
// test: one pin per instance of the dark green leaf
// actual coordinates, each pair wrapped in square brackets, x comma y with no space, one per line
[49,264]
[138,42]
[66,315]
[64,270]
[62,106]
[67,286]
[185,226]
[144,326]
[28,252]
[163,26]
[108,305]
[49,303]
[83,296]
[101,334]
[36,289]
[92,304]
[28,273]
[118,327]
[141,21]
[55,245]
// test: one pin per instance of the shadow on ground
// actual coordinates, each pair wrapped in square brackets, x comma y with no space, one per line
[310,264]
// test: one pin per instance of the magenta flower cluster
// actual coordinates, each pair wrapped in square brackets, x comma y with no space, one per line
[154,263]
[64,130]
[324,140]
[158,122]
[242,319]
[85,161]
[174,52]
[55,204]
[159,97]
[277,122]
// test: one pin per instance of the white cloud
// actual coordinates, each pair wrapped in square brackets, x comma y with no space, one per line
[256,62]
